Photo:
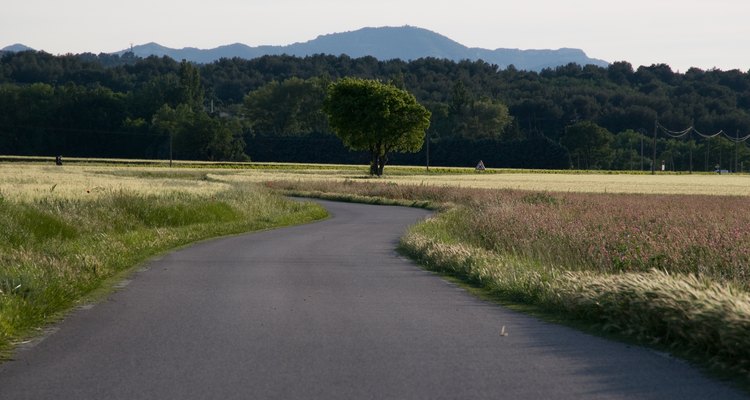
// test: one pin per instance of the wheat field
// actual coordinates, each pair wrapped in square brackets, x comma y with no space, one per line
[33,181]
[704,184]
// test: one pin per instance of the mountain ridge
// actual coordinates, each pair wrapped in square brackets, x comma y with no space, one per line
[384,43]
[17,47]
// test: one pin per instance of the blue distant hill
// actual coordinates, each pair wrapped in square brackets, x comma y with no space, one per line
[15,48]
[386,43]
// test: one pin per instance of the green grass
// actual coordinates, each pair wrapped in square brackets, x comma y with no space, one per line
[53,252]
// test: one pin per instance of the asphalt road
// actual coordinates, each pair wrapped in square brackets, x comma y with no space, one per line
[325,311]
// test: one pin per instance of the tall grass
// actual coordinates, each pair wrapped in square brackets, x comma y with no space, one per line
[618,233]
[55,250]
[668,269]
[689,313]
[610,233]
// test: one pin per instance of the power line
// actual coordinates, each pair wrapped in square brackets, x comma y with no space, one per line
[689,131]
[683,133]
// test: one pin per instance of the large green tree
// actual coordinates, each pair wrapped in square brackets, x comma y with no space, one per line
[376,117]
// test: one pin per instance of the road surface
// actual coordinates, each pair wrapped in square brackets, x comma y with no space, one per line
[325,311]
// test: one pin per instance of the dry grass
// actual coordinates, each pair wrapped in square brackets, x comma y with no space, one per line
[38,178]
[32,182]
[594,183]
[705,184]
[705,319]
[607,233]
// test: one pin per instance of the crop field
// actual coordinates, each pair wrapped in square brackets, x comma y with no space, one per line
[35,182]
[554,181]
[662,259]
[670,269]
[100,175]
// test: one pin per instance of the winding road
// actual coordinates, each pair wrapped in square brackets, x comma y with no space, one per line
[325,311]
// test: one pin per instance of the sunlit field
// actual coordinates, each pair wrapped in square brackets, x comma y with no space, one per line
[597,183]
[709,184]
[27,180]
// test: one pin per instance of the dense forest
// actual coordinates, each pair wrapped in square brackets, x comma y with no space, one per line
[269,109]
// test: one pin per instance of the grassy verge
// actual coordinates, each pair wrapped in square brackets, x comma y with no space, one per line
[665,270]
[54,251]
[698,317]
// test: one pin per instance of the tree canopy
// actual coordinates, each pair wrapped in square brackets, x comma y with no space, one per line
[376,117]
[289,108]
[104,106]
[588,144]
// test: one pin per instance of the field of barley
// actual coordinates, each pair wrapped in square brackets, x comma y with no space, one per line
[95,173]
[661,259]
[707,184]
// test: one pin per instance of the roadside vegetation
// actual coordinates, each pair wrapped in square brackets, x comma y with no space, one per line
[670,270]
[65,231]
[659,265]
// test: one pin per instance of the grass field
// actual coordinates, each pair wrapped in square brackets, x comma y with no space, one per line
[707,184]
[30,182]
[533,180]
[663,259]
[66,230]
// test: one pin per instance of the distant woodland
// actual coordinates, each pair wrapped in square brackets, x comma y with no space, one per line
[269,109]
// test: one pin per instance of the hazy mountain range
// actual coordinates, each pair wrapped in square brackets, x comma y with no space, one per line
[406,43]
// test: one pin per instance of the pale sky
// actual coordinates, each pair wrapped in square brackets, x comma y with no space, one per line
[682,33]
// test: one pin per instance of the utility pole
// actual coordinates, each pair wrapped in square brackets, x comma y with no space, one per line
[428,152]
[653,160]
[427,138]
[736,143]
[643,133]
[170,149]
[690,144]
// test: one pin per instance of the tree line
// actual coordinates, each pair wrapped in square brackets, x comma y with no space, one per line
[271,108]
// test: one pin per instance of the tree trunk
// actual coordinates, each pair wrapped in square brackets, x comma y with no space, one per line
[381,164]
[373,163]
